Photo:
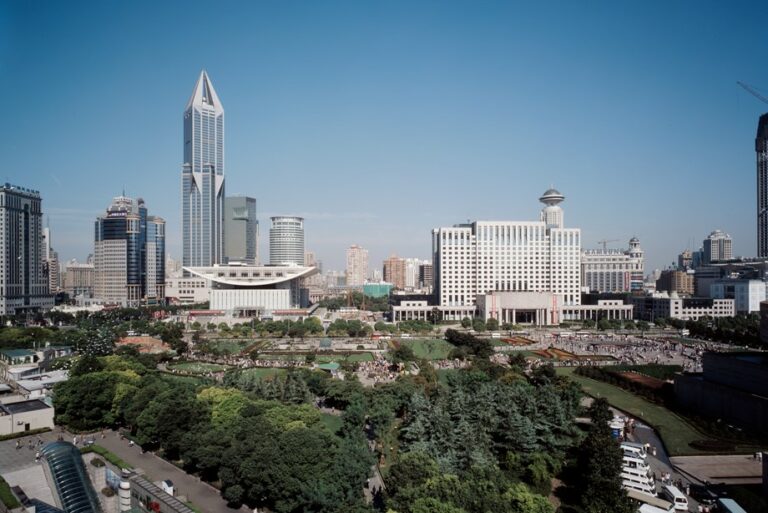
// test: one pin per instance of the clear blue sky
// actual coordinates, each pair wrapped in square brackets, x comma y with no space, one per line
[378,121]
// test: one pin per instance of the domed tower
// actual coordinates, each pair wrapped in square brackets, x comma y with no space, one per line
[635,251]
[552,214]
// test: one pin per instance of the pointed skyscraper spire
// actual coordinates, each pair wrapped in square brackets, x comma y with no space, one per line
[203,177]
[205,94]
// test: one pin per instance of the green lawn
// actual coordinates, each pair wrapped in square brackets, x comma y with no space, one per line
[320,358]
[360,357]
[332,422]
[264,372]
[673,429]
[229,346]
[6,497]
[429,349]
[198,367]
[192,380]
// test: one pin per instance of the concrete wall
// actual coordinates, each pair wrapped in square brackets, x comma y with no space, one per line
[747,372]
[721,402]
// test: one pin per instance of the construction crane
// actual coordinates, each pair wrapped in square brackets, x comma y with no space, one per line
[752,91]
[605,242]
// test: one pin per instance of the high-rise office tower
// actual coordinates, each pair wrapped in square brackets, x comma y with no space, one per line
[426,276]
[51,263]
[357,265]
[761,149]
[718,246]
[23,281]
[129,254]
[202,178]
[394,271]
[241,230]
[286,240]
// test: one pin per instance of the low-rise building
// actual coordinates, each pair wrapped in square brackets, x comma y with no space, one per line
[191,290]
[546,308]
[21,416]
[650,308]
[18,363]
[248,291]
[747,294]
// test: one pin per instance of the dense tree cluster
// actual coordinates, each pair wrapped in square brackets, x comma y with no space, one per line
[742,329]
[262,443]
[358,300]
[501,419]
[468,345]
[599,462]
[478,444]
[487,438]
[353,328]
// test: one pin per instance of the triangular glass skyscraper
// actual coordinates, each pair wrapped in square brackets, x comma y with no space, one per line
[202,177]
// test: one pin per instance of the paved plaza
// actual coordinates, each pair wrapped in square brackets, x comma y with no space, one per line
[728,469]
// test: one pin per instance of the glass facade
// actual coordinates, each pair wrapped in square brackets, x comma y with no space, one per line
[202,180]
[67,472]
[286,241]
[129,253]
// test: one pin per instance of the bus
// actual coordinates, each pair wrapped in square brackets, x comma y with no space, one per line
[649,503]
[729,506]
[633,449]
[638,485]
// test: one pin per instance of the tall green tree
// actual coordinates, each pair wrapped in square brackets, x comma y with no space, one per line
[600,461]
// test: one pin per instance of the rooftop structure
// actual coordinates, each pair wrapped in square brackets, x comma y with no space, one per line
[23,407]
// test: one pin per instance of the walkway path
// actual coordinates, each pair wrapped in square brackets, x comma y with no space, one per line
[204,496]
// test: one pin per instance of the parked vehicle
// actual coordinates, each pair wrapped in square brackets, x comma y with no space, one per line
[703,494]
[649,503]
[729,506]
[634,450]
[674,495]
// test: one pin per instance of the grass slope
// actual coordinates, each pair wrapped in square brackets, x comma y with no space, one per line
[673,429]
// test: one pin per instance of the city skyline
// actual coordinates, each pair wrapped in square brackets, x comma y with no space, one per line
[476,118]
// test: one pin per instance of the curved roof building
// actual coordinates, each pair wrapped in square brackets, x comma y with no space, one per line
[255,289]
[71,487]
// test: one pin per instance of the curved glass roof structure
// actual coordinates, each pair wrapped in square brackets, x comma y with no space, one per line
[70,478]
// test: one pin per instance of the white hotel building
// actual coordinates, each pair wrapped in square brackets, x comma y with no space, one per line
[485,257]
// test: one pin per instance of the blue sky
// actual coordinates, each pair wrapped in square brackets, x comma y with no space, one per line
[378,121]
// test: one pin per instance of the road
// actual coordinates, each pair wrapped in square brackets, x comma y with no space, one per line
[204,496]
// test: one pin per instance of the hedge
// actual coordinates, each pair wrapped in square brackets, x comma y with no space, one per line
[109,456]
[24,433]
